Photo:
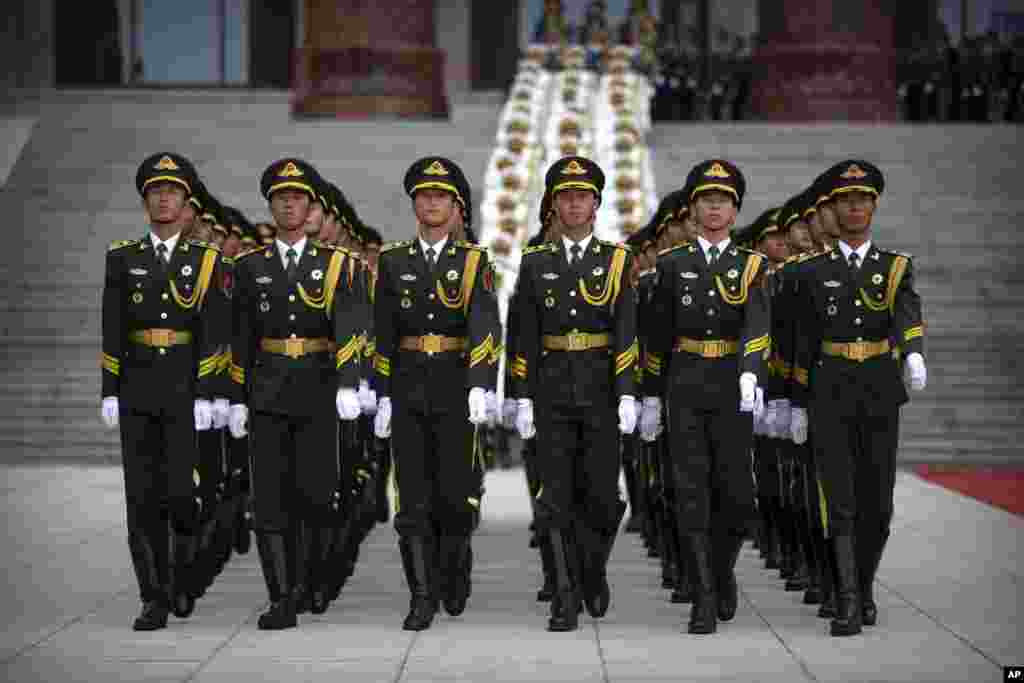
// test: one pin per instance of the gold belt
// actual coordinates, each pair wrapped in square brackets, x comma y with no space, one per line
[432,343]
[855,351]
[577,341]
[297,347]
[160,337]
[708,348]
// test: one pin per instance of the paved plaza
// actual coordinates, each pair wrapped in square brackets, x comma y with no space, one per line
[950,594]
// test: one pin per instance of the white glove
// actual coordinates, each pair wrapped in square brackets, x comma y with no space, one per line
[238,420]
[367,398]
[780,418]
[477,406]
[748,393]
[492,408]
[650,419]
[760,429]
[203,412]
[382,423]
[110,412]
[627,414]
[524,419]
[347,402]
[508,413]
[798,426]
[758,404]
[915,373]
[221,411]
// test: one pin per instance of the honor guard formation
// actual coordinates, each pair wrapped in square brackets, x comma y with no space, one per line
[277,379]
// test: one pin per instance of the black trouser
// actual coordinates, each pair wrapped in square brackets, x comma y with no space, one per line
[856,462]
[711,469]
[435,474]
[766,467]
[159,453]
[579,467]
[210,469]
[294,469]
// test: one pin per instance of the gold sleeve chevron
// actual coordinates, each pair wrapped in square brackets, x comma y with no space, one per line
[801,376]
[349,351]
[913,333]
[382,364]
[654,363]
[481,352]
[519,369]
[625,360]
[237,373]
[370,348]
[110,364]
[209,365]
[759,345]
[225,362]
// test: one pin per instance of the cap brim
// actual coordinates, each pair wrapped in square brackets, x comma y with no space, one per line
[166,178]
[438,185]
[575,185]
[854,188]
[292,185]
[715,186]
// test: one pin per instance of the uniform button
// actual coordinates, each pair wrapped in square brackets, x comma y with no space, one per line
[291,317]
[430,296]
[860,339]
[857,321]
[263,295]
[293,335]
[162,351]
[430,316]
[572,311]
[163,316]
[164,296]
[291,297]
[857,303]
[572,292]
[711,312]
[710,332]
[711,292]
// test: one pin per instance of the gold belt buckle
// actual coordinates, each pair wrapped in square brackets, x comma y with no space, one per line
[576,341]
[857,352]
[431,344]
[161,337]
[293,348]
[714,349]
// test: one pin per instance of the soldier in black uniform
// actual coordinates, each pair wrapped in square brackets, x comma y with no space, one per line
[434,338]
[298,315]
[856,304]
[704,359]
[162,300]
[576,349]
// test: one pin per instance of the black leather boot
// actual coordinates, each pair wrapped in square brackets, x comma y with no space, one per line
[827,610]
[182,570]
[703,612]
[547,563]
[299,553]
[455,553]
[727,550]
[417,561]
[272,550]
[868,565]
[596,591]
[154,599]
[682,593]
[847,621]
[318,586]
[565,604]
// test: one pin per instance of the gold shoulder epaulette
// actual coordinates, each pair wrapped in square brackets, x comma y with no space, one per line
[745,250]
[547,246]
[227,259]
[250,252]
[395,245]
[120,244]
[470,245]
[202,244]
[812,255]
[617,245]
[896,253]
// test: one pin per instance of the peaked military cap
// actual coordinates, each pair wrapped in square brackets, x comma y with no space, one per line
[574,172]
[237,223]
[434,172]
[200,196]
[165,166]
[855,175]
[716,174]
[796,206]
[766,224]
[290,173]
[668,210]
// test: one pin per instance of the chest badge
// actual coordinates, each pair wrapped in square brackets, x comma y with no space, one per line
[317,274]
[138,271]
[598,272]
[832,284]
[832,309]
[265,306]
[452,275]
[550,276]
[733,274]
[186,270]
[406,302]
[137,297]
[549,302]
[687,299]
[877,278]
[689,275]
[408,277]
[264,280]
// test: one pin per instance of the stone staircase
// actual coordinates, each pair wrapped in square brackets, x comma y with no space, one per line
[952,201]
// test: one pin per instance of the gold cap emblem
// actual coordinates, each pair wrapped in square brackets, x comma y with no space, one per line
[436,168]
[573,168]
[166,164]
[290,170]
[717,171]
[853,172]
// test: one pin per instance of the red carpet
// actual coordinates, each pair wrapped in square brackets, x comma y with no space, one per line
[1002,487]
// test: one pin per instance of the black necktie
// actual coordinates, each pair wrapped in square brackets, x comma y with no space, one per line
[854,262]
[714,254]
[292,268]
[161,257]
[431,260]
[575,257]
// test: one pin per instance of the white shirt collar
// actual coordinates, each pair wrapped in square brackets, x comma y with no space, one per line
[171,242]
[584,243]
[706,247]
[438,248]
[283,247]
[862,251]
